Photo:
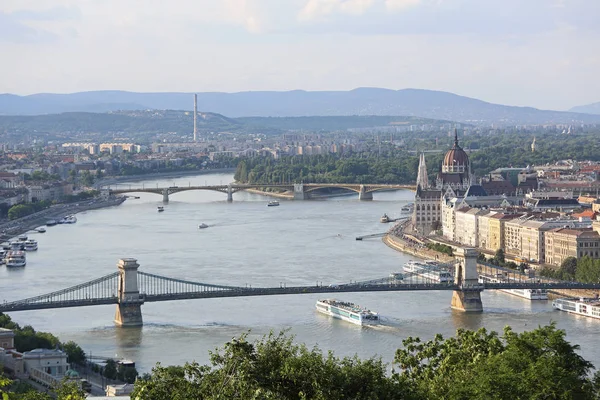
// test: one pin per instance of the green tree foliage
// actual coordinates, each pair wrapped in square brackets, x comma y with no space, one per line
[66,390]
[26,338]
[585,269]
[442,248]
[274,368]
[75,354]
[110,369]
[86,178]
[539,364]
[126,373]
[22,210]
[499,257]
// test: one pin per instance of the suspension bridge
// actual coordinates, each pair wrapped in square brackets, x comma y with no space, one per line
[128,288]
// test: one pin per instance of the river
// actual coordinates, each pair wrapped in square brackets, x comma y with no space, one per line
[298,243]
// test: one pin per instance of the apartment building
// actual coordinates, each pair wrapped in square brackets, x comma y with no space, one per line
[568,242]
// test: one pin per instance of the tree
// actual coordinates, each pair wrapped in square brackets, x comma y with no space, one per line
[499,257]
[539,364]
[569,266]
[75,354]
[110,370]
[127,374]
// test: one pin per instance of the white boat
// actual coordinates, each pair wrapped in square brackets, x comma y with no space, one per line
[408,208]
[15,259]
[69,219]
[17,246]
[2,256]
[530,294]
[161,209]
[349,312]
[397,276]
[584,306]
[23,238]
[429,270]
[384,219]
[202,226]
[273,203]
[31,245]
[51,222]
[41,229]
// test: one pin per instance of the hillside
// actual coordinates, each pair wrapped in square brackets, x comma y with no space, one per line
[593,108]
[362,101]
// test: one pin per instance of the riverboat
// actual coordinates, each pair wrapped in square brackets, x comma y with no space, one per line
[17,246]
[69,219]
[273,203]
[2,256]
[408,208]
[397,276]
[160,208]
[384,219]
[15,259]
[23,238]
[51,222]
[348,312]
[31,245]
[41,229]
[428,270]
[530,294]
[582,306]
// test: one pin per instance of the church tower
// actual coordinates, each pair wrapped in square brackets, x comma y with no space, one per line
[422,178]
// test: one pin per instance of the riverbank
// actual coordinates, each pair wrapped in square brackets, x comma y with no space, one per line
[22,225]
[156,175]
[284,195]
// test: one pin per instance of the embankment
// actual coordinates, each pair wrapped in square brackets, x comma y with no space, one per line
[283,195]
[416,250]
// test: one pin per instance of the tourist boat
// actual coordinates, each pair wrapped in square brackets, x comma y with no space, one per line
[408,208]
[273,203]
[15,259]
[22,238]
[530,294]
[2,256]
[384,219]
[31,245]
[161,209]
[17,246]
[69,219]
[583,306]
[397,276]
[6,246]
[428,270]
[41,229]
[202,226]
[51,222]
[349,312]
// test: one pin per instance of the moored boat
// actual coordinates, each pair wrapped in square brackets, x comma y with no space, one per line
[22,238]
[428,270]
[273,203]
[69,219]
[530,294]
[51,222]
[582,306]
[408,208]
[31,245]
[15,259]
[346,311]
[17,246]
[41,229]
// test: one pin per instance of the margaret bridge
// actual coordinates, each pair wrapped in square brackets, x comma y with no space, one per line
[296,191]
[128,288]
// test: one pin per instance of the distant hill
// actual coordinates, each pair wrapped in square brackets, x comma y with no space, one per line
[593,108]
[362,101]
[162,121]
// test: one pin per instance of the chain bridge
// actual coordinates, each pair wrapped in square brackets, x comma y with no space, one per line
[129,289]
[296,191]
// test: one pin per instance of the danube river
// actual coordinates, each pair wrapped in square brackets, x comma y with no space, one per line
[298,243]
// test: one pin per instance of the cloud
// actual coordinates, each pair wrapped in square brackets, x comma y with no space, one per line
[315,9]
[400,4]
[13,30]
[49,14]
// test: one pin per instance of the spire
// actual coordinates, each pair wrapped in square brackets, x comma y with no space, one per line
[422,178]
[455,137]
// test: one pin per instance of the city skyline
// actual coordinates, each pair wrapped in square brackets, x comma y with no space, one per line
[532,54]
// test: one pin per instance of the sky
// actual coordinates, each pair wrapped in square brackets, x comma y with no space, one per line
[539,53]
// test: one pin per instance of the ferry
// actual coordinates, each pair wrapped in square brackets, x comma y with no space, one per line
[15,259]
[31,245]
[429,270]
[530,294]
[384,219]
[349,312]
[17,246]
[202,226]
[583,306]
[273,203]
[161,209]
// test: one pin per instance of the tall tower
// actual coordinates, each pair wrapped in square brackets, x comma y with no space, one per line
[195,117]
[422,179]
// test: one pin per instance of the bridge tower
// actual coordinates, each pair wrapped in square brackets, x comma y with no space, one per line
[165,193]
[299,193]
[363,194]
[229,193]
[468,297]
[129,306]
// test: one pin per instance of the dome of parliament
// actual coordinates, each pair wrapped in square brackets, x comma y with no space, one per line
[455,160]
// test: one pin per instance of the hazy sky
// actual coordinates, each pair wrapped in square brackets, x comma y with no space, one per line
[542,53]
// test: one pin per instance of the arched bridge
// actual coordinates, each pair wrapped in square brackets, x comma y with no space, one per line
[129,288]
[296,191]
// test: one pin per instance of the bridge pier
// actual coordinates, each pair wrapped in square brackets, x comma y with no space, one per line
[299,193]
[468,298]
[364,195]
[129,306]
[165,193]
[229,193]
